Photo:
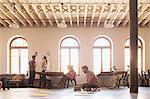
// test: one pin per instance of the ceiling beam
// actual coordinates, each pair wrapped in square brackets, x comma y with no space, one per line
[144,7]
[37,13]
[17,5]
[7,14]
[85,14]
[78,20]
[62,16]
[26,6]
[100,15]
[143,17]
[3,17]
[116,15]
[93,14]
[109,14]
[3,22]
[46,14]
[54,14]
[144,22]
[69,14]
[123,16]
[11,8]
[126,21]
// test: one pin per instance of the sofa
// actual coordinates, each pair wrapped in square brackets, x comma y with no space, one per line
[14,80]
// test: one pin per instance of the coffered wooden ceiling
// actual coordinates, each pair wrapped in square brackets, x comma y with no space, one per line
[75,13]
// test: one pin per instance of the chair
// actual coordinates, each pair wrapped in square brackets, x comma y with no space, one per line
[144,79]
[67,80]
[125,80]
[70,79]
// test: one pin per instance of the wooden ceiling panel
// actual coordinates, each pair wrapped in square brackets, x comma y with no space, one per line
[39,13]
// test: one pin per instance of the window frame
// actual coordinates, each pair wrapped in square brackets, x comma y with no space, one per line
[10,58]
[103,47]
[70,47]
[142,67]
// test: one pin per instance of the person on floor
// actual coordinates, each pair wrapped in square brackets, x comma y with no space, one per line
[92,80]
[32,71]
[71,75]
[44,70]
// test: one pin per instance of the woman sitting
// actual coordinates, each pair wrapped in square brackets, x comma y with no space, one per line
[71,75]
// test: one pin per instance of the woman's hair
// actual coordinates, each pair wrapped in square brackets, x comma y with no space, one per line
[70,67]
[44,57]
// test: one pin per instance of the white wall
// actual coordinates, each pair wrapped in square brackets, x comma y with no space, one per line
[47,39]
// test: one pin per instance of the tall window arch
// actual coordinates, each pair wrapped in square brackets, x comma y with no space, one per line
[18,56]
[140,55]
[69,54]
[102,54]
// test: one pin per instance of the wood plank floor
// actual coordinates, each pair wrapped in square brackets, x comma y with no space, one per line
[33,93]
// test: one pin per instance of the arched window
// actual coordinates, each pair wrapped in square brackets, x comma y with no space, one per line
[140,55]
[102,55]
[69,54]
[18,56]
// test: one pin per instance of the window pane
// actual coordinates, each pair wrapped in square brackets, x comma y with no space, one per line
[102,56]
[97,60]
[69,54]
[128,43]
[139,60]
[106,59]
[101,42]
[19,56]
[139,43]
[127,55]
[64,60]
[24,61]
[69,42]
[74,59]
[25,43]
[127,58]
[15,61]
[19,42]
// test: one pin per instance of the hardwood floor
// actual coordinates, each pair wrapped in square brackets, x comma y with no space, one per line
[33,93]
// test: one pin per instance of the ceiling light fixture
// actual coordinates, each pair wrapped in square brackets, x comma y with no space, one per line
[62,24]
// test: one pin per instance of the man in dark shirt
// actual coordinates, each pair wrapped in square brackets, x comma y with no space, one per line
[32,66]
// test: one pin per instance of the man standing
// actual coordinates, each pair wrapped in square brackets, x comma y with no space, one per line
[92,80]
[32,66]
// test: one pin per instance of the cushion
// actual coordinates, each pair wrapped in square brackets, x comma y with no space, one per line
[17,77]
